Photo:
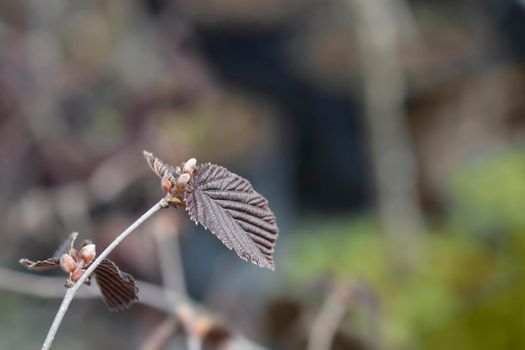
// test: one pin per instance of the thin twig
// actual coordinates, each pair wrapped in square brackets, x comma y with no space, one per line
[70,294]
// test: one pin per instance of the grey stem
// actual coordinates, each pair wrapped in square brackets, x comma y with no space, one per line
[70,294]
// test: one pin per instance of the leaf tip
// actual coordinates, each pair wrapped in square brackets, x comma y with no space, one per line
[150,158]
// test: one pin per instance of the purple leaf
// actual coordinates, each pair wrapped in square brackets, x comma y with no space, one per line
[118,288]
[228,206]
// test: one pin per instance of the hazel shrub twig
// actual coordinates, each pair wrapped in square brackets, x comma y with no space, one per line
[70,294]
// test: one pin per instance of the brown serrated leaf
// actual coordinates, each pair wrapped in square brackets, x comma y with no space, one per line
[232,210]
[118,288]
[41,265]
[159,167]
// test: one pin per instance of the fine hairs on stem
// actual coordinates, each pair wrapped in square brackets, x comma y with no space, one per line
[70,294]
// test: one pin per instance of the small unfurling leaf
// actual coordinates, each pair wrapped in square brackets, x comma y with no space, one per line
[160,168]
[173,180]
[118,288]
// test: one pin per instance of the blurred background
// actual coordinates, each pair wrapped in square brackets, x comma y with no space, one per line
[388,136]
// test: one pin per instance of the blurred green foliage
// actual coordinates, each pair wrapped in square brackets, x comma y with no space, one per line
[489,194]
[463,292]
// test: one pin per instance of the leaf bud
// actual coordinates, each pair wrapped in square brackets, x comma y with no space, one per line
[67,263]
[182,181]
[166,184]
[75,276]
[189,166]
[88,253]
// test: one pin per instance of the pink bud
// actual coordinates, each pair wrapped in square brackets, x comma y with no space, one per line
[67,263]
[75,276]
[182,181]
[166,184]
[88,253]
[189,166]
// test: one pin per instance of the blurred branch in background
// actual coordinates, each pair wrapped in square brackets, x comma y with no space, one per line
[406,21]
[161,335]
[53,287]
[166,236]
[329,319]
[378,36]
[341,298]
[150,295]
[198,326]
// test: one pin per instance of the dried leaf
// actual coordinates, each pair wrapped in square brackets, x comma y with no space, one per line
[231,209]
[41,265]
[54,262]
[118,288]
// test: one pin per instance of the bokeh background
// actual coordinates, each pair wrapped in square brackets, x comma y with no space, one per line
[388,136]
